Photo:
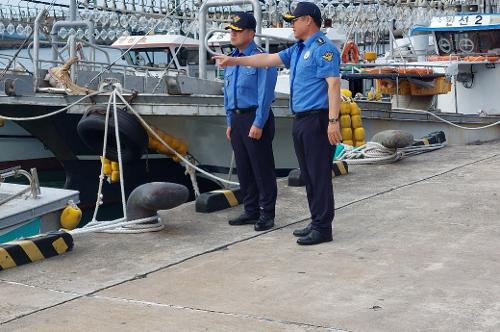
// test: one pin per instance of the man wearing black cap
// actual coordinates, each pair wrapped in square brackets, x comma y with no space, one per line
[314,64]
[248,94]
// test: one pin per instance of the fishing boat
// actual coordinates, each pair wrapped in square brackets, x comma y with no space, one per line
[19,147]
[171,83]
[29,210]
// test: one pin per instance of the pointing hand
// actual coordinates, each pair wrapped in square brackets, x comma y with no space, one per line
[224,60]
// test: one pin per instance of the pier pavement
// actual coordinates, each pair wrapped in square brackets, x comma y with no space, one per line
[416,248]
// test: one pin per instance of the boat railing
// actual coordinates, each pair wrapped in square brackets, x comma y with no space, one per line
[32,176]
[202,23]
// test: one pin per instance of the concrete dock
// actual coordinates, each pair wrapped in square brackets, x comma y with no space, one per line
[416,248]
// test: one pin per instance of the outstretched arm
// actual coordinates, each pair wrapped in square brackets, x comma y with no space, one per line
[258,60]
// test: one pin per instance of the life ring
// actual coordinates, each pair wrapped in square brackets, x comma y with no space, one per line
[133,137]
[350,54]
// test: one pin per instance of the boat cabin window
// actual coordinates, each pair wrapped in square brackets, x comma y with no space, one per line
[188,56]
[153,57]
[460,42]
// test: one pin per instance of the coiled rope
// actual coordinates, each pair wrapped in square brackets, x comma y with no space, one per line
[376,153]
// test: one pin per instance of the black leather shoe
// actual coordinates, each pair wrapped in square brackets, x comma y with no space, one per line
[302,231]
[264,224]
[244,219]
[314,237]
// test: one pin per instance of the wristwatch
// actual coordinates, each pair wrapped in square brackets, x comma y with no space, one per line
[333,120]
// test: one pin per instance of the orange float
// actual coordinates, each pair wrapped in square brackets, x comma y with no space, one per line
[481,58]
[451,57]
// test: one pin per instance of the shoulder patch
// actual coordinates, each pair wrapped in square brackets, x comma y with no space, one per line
[328,56]
[320,41]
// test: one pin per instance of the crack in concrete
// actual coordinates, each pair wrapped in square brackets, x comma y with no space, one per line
[224,246]
[42,288]
[224,313]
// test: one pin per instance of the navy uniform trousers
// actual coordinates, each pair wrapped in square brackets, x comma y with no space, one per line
[314,154]
[255,164]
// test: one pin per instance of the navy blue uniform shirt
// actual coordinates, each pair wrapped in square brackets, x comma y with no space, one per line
[310,62]
[246,87]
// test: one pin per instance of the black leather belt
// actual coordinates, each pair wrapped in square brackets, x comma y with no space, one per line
[300,115]
[245,110]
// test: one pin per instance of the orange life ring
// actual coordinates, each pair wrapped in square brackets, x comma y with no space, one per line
[350,54]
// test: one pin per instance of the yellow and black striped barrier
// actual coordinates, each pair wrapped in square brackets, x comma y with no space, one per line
[33,249]
[218,200]
[339,168]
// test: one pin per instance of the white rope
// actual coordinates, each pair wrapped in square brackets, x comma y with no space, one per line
[192,175]
[119,150]
[451,123]
[186,161]
[137,228]
[110,225]
[376,153]
[38,117]
[118,225]
[101,176]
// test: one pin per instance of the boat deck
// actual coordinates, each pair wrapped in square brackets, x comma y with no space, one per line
[415,248]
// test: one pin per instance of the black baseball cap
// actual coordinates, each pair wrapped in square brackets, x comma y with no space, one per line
[304,9]
[241,21]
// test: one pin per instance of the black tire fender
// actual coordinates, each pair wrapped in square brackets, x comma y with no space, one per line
[133,137]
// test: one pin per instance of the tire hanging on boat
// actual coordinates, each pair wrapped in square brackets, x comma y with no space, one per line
[133,137]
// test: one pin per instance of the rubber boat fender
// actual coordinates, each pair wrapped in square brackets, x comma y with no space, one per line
[133,137]
[435,137]
[393,139]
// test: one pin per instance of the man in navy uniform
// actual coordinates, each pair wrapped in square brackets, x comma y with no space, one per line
[314,64]
[248,94]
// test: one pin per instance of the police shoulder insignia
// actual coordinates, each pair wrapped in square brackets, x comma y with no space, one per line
[320,41]
[328,56]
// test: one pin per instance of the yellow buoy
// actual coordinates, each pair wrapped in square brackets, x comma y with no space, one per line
[346,133]
[345,108]
[176,144]
[370,55]
[348,142]
[355,110]
[70,216]
[361,143]
[115,166]
[345,121]
[106,166]
[359,134]
[356,121]
[115,176]
[346,92]
[106,169]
